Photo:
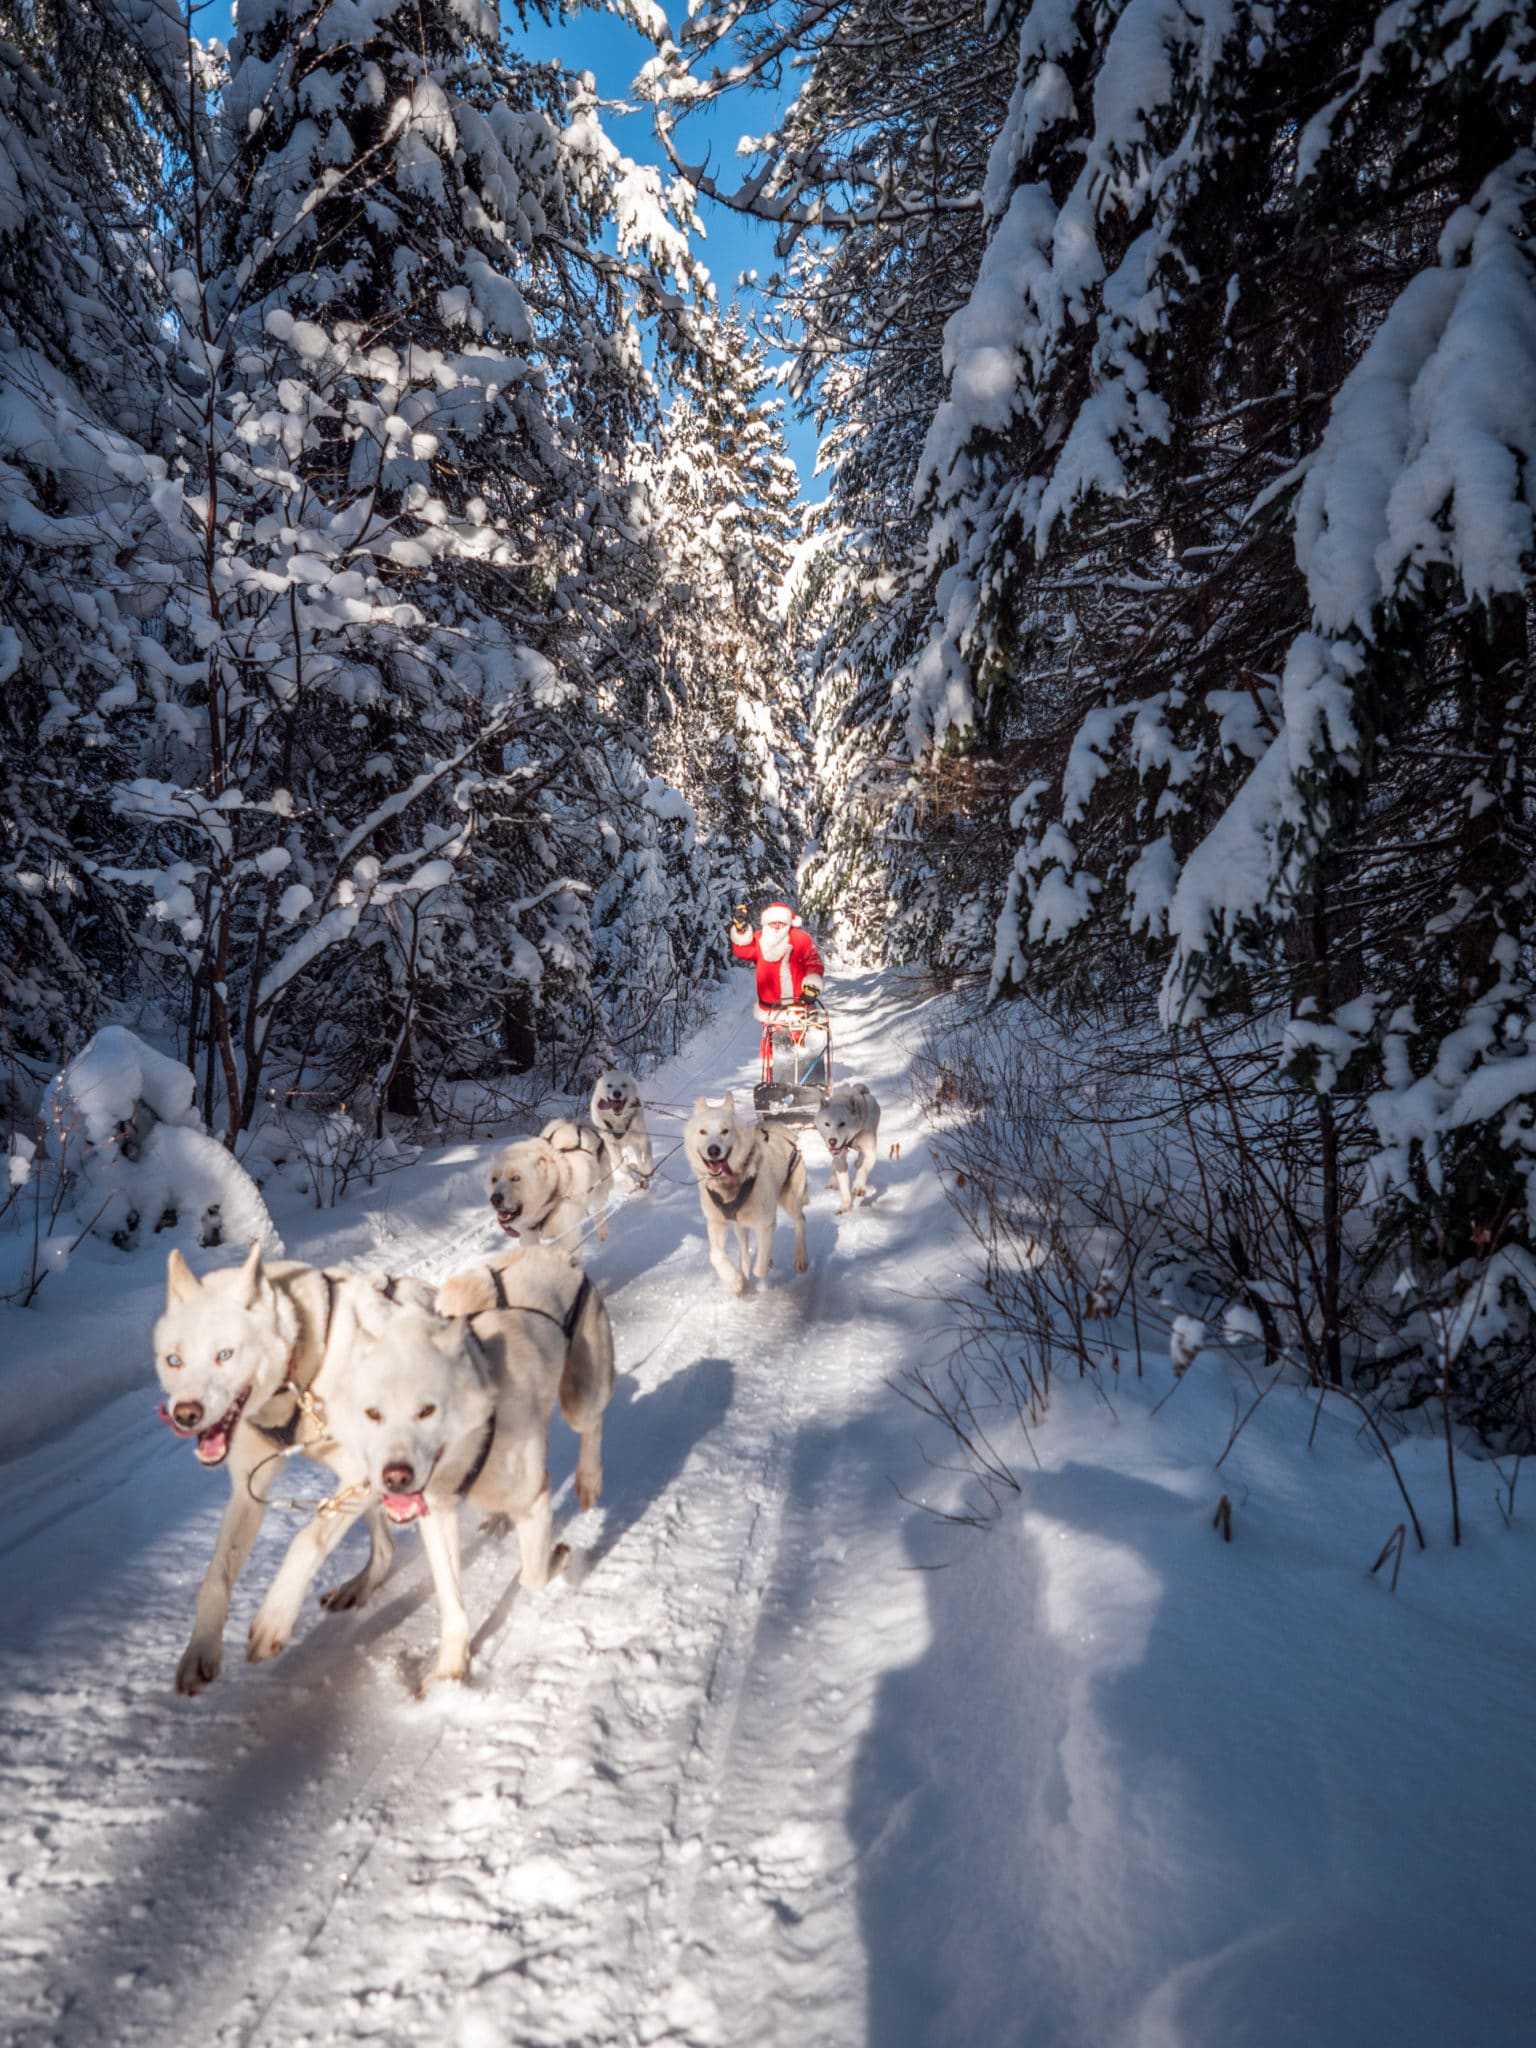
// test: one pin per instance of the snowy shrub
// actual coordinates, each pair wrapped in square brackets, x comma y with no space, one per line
[1136,1215]
[321,1154]
[128,1146]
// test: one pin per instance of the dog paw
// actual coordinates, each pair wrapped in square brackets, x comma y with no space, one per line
[199,1667]
[589,1491]
[737,1282]
[802,1263]
[842,1208]
[268,1638]
[559,1558]
[343,1599]
[496,1526]
[451,1668]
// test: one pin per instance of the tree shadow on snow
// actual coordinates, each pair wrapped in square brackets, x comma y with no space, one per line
[647,1441]
[1099,1808]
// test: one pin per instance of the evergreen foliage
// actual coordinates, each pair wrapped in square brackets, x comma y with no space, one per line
[1189,668]
[330,402]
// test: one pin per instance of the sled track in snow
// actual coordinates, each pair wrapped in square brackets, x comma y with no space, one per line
[536,1856]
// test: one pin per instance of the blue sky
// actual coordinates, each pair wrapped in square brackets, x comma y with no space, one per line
[613,52]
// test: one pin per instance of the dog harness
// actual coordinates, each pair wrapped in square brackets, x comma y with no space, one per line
[581,1145]
[730,1205]
[481,1455]
[285,1434]
[566,1324]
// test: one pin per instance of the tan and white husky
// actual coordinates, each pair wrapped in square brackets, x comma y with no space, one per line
[746,1174]
[456,1406]
[547,1186]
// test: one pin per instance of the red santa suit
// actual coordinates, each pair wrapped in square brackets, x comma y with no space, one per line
[785,955]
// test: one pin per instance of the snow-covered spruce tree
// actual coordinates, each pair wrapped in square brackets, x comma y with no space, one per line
[873,176]
[725,713]
[87,94]
[394,787]
[1232,530]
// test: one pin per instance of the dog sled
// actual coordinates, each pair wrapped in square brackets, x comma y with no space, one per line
[796,1055]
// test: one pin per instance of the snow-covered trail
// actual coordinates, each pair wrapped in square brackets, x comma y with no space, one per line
[632,1826]
[745,1778]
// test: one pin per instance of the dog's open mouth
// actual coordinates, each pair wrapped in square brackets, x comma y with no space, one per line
[508,1223]
[212,1443]
[405,1507]
[615,1107]
[718,1167]
[834,1148]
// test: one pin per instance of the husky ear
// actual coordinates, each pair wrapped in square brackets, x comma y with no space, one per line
[701,1105]
[350,1327]
[728,1107]
[251,1276]
[181,1283]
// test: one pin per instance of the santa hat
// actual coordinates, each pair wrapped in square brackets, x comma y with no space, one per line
[772,907]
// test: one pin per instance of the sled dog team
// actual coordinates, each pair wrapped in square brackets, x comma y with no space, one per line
[418,1397]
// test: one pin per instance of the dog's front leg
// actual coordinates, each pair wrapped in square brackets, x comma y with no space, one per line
[279,1611]
[542,1558]
[764,1249]
[204,1653]
[840,1182]
[802,1260]
[734,1276]
[866,1151]
[358,1591]
[440,1540]
[589,1466]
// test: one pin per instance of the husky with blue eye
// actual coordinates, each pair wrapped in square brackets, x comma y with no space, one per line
[245,1357]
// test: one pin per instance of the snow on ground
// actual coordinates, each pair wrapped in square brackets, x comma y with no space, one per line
[746,1776]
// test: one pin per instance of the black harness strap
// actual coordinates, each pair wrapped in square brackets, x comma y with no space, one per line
[281,1434]
[730,1206]
[565,1324]
[480,1457]
[578,1303]
[498,1287]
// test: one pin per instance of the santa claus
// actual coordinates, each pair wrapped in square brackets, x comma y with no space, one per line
[789,968]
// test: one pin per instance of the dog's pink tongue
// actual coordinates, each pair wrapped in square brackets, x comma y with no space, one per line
[213,1445]
[405,1507]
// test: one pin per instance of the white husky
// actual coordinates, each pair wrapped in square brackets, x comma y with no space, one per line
[245,1358]
[746,1173]
[456,1405]
[619,1120]
[849,1122]
[547,1186]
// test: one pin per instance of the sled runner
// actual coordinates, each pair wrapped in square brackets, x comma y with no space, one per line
[797,1062]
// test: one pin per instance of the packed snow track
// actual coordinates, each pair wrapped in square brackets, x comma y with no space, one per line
[746,1778]
[631,1825]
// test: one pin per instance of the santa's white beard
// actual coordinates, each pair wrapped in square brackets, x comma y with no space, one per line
[773,943]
